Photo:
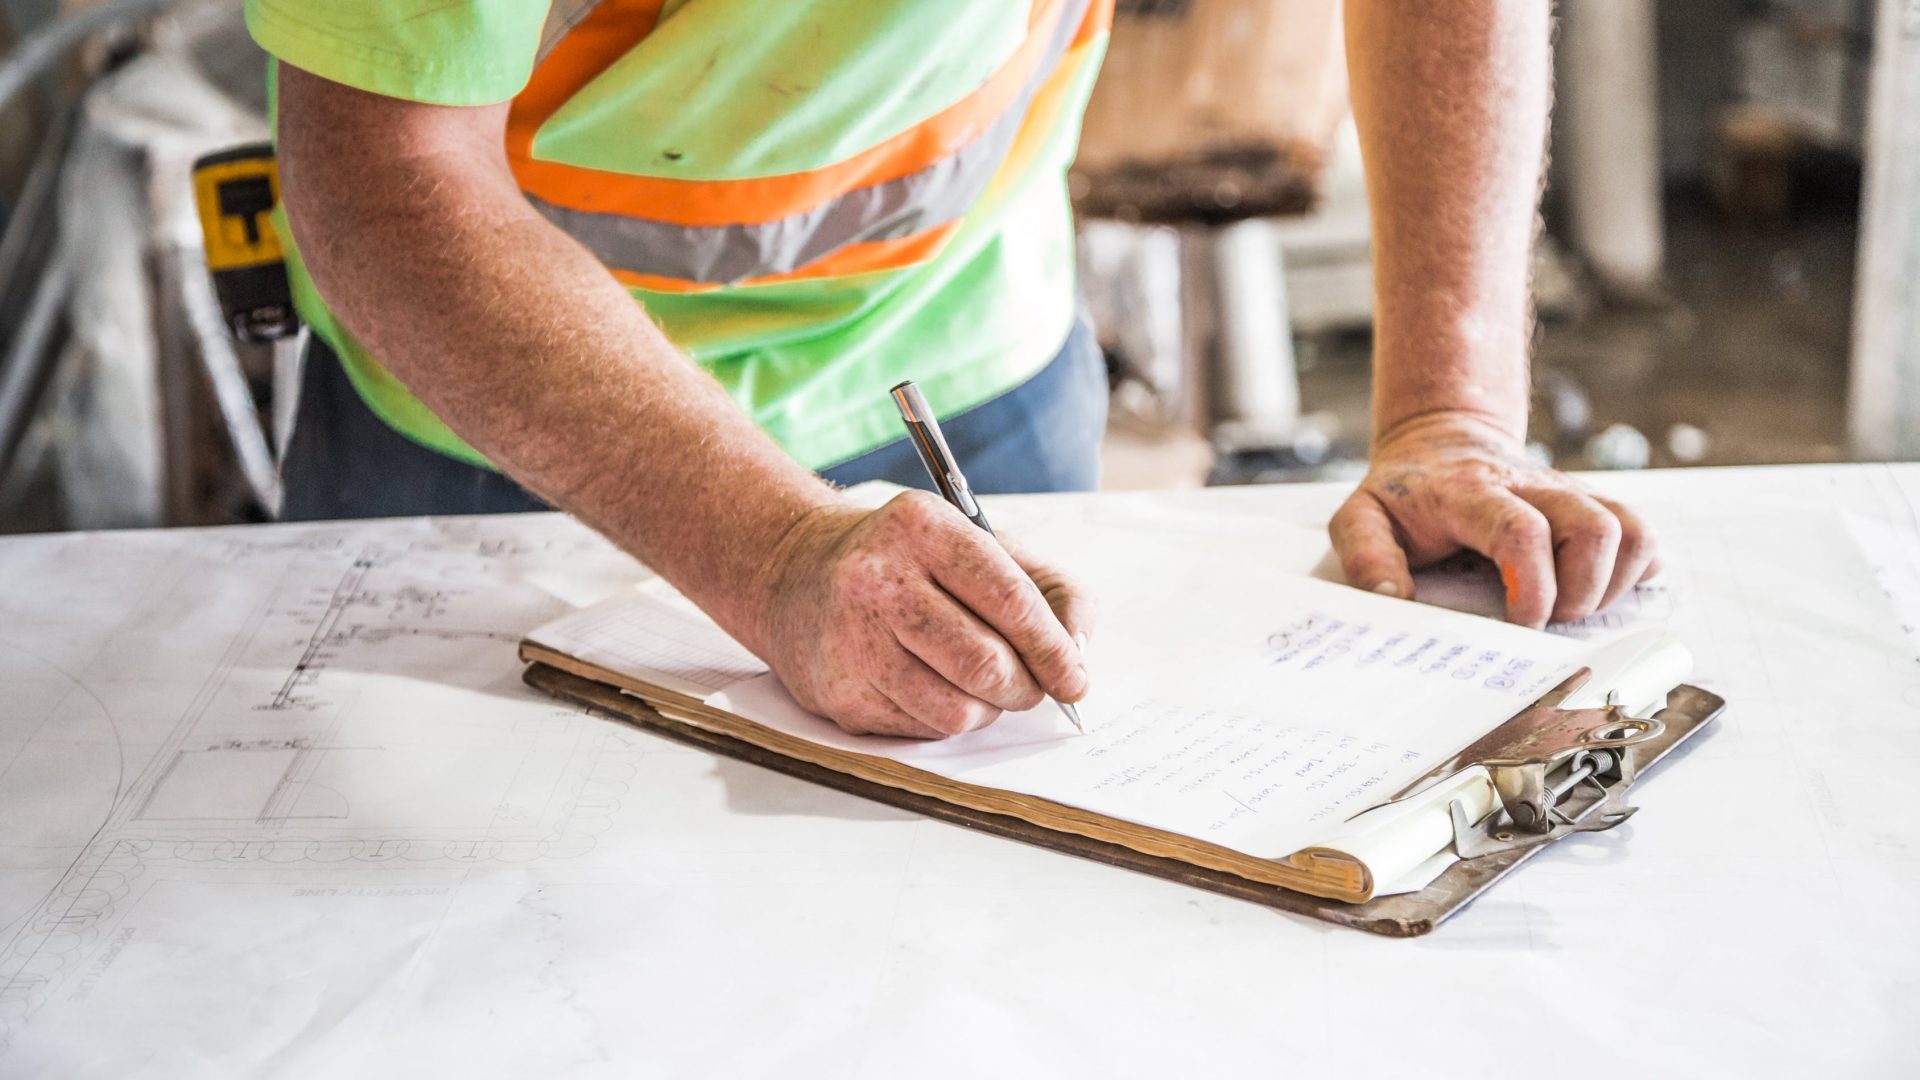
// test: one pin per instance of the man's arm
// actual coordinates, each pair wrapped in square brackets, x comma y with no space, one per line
[1451,103]
[906,620]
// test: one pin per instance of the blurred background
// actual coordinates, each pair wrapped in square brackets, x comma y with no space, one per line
[1729,249]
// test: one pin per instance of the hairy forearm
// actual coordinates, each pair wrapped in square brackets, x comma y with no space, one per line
[516,337]
[1451,104]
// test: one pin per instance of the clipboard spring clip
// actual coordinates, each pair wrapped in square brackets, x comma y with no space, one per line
[1556,771]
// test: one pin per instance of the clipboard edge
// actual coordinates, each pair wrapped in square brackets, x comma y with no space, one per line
[1689,710]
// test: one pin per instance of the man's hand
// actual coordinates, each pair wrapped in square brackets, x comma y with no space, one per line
[1451,104]
[1446,482]
[909,620]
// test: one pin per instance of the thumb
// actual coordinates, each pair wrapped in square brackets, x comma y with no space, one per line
[1370,553]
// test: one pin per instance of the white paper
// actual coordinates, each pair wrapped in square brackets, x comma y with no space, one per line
[653,630]
[1230,702]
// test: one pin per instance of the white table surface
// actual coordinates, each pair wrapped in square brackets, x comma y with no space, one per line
[274,802]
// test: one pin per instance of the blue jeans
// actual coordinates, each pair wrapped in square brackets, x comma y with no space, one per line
[345,462]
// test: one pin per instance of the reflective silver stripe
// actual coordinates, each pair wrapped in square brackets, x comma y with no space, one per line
[725,254]
[562,17]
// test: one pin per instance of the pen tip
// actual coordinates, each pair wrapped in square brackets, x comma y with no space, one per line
[1073,714]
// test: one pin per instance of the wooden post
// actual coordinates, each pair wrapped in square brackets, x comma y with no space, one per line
[1884,408]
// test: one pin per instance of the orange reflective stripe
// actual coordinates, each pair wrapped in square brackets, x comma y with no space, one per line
[1098,21]
[852,259]
[608,32]
[1045,111]
[762,199]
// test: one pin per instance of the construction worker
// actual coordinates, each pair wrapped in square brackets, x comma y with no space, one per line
[657,262]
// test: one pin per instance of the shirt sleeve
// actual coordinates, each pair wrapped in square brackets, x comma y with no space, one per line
[468,52]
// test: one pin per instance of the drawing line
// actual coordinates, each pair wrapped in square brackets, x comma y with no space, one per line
[343,594]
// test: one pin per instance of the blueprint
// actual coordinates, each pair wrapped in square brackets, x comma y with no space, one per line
[330,716]
[274,802]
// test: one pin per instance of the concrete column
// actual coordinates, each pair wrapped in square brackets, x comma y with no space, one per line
[1884,405]
[1258,384]
[1607,109]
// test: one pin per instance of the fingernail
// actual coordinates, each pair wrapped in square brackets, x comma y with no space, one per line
[1387,588]
[1080,640]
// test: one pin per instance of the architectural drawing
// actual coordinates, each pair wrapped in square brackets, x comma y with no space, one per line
[350,702]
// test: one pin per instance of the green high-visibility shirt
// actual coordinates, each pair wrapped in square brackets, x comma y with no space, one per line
[816,199]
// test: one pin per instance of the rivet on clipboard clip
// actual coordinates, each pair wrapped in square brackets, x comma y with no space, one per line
[1556,771]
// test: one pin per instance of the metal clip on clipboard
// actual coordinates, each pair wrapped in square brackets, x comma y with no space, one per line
[1556,771]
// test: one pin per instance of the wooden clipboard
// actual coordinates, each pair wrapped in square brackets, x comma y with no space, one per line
[1689,710]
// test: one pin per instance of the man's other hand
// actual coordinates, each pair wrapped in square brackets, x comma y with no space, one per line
[1445,482]
[909,620]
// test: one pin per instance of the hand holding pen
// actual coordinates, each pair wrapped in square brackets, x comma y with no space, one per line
[907,620]
[923,430]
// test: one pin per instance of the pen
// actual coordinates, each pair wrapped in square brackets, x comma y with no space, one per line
[923,430]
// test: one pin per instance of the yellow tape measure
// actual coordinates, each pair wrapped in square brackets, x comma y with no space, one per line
[236,191]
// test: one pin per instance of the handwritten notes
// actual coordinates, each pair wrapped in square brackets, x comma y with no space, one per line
[1254,766]
[1321,640]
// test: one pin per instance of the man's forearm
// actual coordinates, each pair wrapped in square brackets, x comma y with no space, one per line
[521,341]
[1451,104]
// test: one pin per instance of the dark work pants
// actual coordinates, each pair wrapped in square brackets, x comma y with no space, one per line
[345,462]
